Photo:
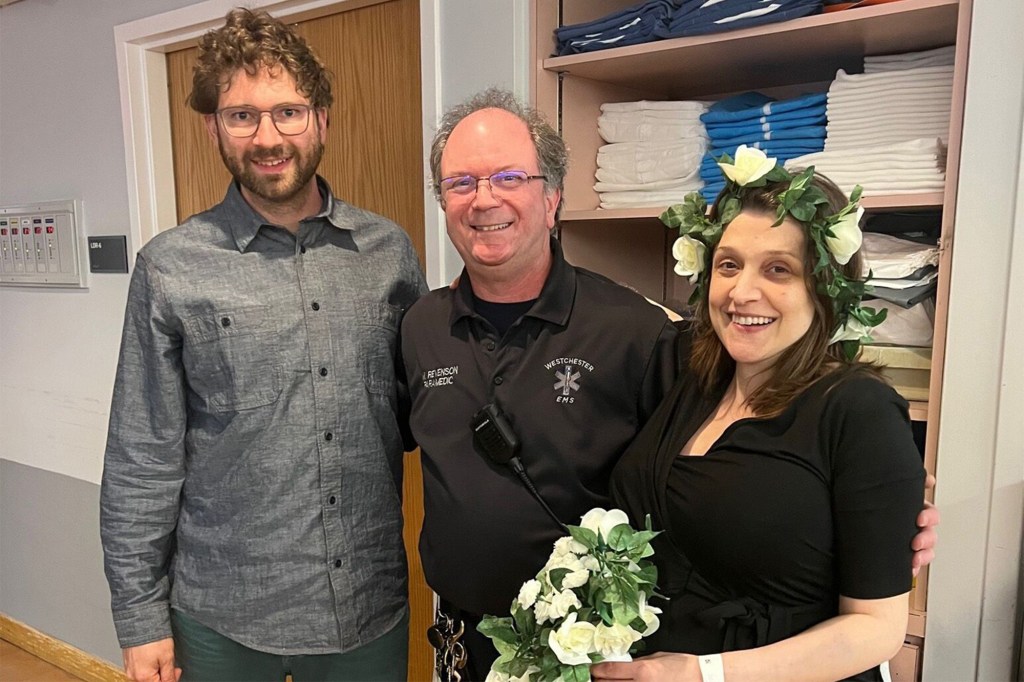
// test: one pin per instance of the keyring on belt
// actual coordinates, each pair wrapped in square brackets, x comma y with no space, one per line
[449,653]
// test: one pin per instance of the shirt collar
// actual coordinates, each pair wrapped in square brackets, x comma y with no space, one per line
[554,304]
[245,222]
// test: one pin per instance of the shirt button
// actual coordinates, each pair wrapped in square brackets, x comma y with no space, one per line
[489,345]
[337,563]
[328,436]
[315,306]
[332,499]
[498,380]
[302,249]
[225,321]
[323,371]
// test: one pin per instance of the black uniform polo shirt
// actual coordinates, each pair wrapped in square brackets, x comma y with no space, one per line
[577,376]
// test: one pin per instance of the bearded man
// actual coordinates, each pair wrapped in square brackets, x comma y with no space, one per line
[251,497]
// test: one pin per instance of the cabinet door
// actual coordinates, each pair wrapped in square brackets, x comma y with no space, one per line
[905,665]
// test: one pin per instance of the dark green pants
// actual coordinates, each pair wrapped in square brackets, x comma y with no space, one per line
[207,656]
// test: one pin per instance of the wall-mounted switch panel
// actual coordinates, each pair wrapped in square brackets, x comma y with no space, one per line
[40,245]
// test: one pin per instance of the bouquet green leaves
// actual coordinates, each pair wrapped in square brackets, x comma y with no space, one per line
[589,603]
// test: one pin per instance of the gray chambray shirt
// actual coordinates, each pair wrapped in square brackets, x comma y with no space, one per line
[252,475]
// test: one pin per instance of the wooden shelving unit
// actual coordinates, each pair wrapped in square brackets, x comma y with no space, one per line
[783,60]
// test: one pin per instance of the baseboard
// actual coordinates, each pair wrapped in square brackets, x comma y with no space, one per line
[55,652]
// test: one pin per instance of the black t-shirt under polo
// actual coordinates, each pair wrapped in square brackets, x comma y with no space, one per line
[577,376]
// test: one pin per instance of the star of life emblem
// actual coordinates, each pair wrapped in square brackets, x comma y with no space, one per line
[568,381]
[568,371]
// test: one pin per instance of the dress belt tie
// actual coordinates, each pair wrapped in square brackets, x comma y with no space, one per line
[746,623]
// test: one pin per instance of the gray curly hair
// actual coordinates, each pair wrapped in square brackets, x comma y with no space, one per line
[552,155]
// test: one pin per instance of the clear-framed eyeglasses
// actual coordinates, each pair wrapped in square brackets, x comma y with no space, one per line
[502,182]
[289,119]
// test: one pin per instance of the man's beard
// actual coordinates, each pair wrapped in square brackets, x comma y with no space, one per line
[279,189]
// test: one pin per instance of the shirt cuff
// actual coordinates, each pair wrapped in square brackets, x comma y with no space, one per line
[143,624]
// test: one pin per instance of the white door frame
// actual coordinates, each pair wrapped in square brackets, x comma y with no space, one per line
[141,47]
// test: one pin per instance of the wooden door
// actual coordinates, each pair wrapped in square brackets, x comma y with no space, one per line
[373,158]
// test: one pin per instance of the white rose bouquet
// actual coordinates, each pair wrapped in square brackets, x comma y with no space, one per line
[589,603]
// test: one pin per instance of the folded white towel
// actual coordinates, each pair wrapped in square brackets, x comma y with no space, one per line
[685,183]
[910,76]
[909,149]
[900,284]
[612,131]
[940,56]
[667,197]
[648,161]
[655,104]
[904,326]
[889,257]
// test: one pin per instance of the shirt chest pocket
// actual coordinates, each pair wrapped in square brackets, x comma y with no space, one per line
[378,322]
[231,358]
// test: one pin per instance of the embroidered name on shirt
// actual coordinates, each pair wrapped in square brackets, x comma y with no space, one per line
[567,377]
[441,376]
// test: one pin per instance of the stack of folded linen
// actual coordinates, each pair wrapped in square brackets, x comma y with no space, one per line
[654,152]
[902,271]
[913,326]
[700,17]
[906,168]
[781,128]
[630,26]
[888,127]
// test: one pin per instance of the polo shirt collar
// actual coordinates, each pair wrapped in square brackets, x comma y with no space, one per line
[554,304]
[245,222]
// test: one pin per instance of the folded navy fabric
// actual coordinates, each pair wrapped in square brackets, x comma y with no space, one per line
[700,17]
[794,134]
[631,26]
[813,103]
[779,149]
[769,124]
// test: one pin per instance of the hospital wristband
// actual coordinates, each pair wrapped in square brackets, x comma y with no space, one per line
[711,668]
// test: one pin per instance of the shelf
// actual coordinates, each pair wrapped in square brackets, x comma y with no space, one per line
[916,623]
[929,200]
[805,50]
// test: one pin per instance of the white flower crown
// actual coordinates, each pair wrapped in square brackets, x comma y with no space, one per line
[837,236]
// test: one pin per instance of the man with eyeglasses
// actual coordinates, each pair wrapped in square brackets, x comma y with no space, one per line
[250,505]
[529,356]
[574,362]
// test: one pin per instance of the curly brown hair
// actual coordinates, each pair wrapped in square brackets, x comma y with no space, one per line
[251,40]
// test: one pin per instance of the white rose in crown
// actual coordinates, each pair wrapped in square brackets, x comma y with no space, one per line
[572,642]
[847,237]
[689,254]
[853,330]
[750,165]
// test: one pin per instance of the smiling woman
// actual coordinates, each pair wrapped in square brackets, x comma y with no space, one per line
[783,471]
